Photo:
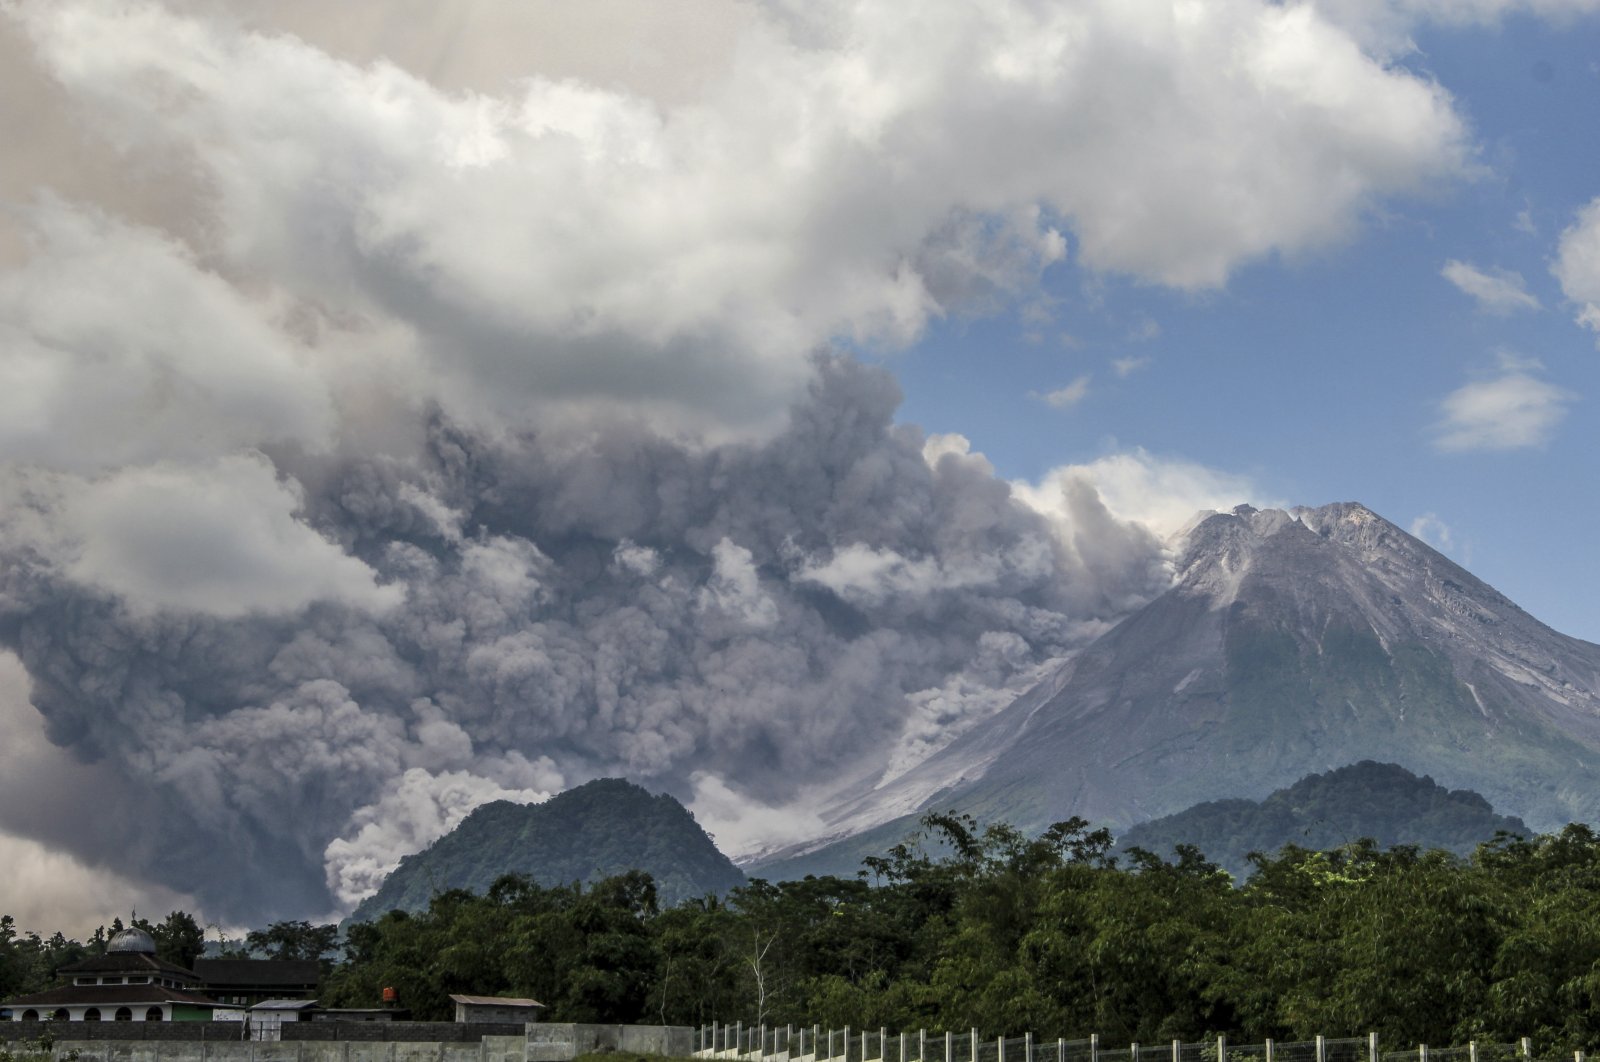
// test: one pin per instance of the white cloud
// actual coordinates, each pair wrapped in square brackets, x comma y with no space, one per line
[866,575]
[742,826]
[1162,494]
[116,346]
[733,594]
[1068,396]
[1511,411]
[219,537]
[1127,366]
[560,243]
[1434,531]
[1499,292]
[417,809]
[936,446]
[1577,264]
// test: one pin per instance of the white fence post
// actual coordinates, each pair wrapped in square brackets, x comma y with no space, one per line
[1027,1046]
[949,1046]
[1094,1047]
[1322,1049]
[974,1057]
[1372,1047]
[1222,1049]
[1177,1050]
[1525,1046]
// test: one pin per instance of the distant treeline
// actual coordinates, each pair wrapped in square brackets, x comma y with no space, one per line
[1008,933]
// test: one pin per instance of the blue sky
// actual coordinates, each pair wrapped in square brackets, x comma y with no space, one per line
[1320,377]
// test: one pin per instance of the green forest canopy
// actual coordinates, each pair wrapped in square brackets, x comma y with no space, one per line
[1009,934]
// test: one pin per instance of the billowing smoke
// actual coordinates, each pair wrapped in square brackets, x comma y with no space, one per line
[538,611]
[376,448]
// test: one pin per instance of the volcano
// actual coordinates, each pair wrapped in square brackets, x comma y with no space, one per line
[1290,642]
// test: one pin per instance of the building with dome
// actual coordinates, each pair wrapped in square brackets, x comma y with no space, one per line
[127,983]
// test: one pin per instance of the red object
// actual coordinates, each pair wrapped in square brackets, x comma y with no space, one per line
[389,995]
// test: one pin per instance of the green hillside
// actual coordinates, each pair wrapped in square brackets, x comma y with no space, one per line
[594,831]
[1381,801]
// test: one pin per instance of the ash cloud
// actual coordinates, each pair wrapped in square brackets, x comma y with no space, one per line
[377,446]
[620,604]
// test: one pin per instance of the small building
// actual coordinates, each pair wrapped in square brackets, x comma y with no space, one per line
[268,1017]
[246,982]
[127,983]
[496,1009]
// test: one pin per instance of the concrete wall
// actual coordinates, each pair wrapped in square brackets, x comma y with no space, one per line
[218,1041]
[225,1031]
[553,1041]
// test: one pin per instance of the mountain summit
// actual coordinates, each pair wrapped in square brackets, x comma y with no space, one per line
[598,829]
[1290,642]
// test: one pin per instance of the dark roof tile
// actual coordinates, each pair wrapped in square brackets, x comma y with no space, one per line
[110,995]
[218,973]
[121,962]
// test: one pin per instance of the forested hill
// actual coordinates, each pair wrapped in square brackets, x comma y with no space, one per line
[597,830]
[1382,801]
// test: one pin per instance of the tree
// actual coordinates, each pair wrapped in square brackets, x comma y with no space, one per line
[179,938]
[295,940]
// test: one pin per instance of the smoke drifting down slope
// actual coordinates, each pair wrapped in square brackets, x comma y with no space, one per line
[328,509]
[545,610]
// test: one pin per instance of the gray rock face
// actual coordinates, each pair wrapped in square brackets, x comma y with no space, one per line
[1293,642]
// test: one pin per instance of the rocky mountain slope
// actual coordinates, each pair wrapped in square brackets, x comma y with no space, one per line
[593,831]
[1290,642]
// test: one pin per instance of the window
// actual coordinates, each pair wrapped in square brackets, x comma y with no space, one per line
[83,980]
[124,1014]
[92,1014]
[30,1015]
[61,1015]
[153,1014]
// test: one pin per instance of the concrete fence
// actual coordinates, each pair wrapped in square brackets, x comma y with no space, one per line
[317,1041]
[761,1043]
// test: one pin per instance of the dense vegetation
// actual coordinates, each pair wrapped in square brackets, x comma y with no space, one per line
[1051,934]
[1381,801]
[28,961]
[590,832]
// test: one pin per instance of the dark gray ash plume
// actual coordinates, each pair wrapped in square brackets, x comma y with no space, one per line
[763,617]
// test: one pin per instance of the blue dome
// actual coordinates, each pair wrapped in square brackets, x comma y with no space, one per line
[135,940]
